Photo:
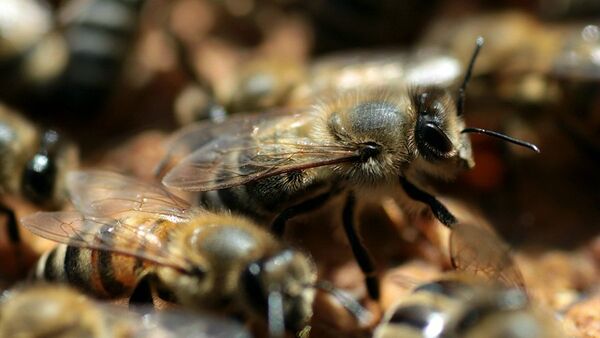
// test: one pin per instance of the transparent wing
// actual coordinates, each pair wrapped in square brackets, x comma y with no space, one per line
[480,251]
[135,238]
[106,194]
[179,324]
[270,147]
[197,135]
[228,162]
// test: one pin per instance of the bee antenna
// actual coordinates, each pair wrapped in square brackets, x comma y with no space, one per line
[503,137]
[275,315]
[359,312]
[460,103]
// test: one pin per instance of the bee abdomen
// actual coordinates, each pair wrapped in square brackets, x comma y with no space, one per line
[92,271]
[414,320]
[98,39]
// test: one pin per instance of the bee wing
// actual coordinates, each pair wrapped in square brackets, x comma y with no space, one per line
[246,154]
[197,135]
[233,161]
[180,324]
[106,194]
[479,250]
[114,235]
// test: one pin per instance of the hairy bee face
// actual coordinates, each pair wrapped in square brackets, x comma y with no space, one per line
[442,150]
[396,131]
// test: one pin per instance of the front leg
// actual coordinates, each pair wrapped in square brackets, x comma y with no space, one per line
[437,208]
[361,254]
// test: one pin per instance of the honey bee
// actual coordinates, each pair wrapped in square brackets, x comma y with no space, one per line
[48,310]
[526,56]
[278,165]
[33,165]
[466,307]
[131,239]
[269,83]
[71,66]
[485,297]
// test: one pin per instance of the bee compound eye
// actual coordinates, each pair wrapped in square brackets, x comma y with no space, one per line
[432,140]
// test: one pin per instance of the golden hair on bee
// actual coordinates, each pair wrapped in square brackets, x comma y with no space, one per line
[359,118]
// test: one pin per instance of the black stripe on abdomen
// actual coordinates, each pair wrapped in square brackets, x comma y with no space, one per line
[77,267]
[54,264]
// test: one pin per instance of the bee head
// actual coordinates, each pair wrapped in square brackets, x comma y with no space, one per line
[281,279]
[442,150]
[440,133]
[45,171]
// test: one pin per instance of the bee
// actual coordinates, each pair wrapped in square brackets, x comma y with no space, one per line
[132,239]
[272,83]
[485,297]
[44,310]
[278,165]
[33,165]
[523,68]
[466,307]
[577,71]
[69,67]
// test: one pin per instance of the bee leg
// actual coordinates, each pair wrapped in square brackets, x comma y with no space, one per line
[142,294]
[12,225]
[437,208]
[361,254]
[278,225]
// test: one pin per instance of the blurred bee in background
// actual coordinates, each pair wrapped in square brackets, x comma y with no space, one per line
[271,82]
[34,162]
[45,310]
[71,68]
[33,166]
[278,165]
[520,68]
[485,297]
[459,306]
[133,239]
[577,71]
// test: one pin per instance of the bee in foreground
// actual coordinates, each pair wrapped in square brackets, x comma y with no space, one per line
[275,166]
[459,306]
[132,239]
[486,298]
[59,311]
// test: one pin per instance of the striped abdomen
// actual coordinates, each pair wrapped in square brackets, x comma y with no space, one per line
[98,272]
[99,39]
[451,308]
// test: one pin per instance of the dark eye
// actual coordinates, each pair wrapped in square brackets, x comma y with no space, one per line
[432,141]
[38,178]
[436,138]
[40,172]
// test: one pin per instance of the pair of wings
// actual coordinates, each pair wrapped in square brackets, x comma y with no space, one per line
[268,142]
[107,203]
